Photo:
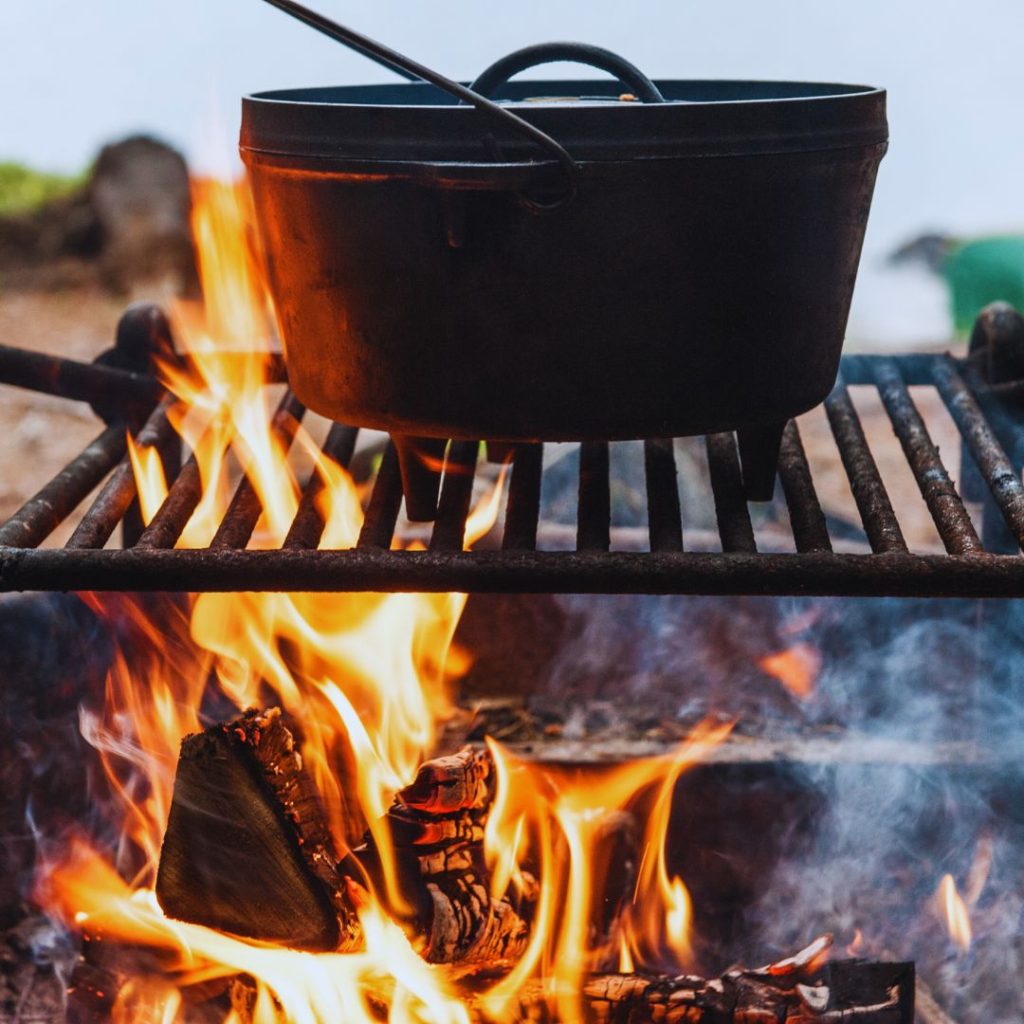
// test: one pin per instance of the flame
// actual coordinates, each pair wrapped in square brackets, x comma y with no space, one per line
[365,680]
[797,668]
[563,820]
[954,913]
[150,481]
[307,987]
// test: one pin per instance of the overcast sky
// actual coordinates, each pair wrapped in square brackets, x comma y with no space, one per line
[75,74]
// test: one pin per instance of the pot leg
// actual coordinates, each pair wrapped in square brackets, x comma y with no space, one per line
[759,457]
[421,460]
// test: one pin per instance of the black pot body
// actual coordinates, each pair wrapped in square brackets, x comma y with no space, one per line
[677,294]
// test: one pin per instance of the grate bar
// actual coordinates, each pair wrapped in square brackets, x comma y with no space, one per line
[385,503]
[171,517]
[880,525]
[664,516]
[84,382]
[734,526]
[308,525]
[986,427]
[245,509]
[944,503]
[810,530]
[55,501]
[118,493]
[594,515]
[615,572]
[523,510]
[456,496]
[1003,480]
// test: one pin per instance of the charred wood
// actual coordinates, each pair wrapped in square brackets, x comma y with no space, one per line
[248,851]
[800,990]
[843,992]
[437,829]
[247,848]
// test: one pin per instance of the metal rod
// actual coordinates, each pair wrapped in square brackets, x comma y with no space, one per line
[397,61]
[85,382]
[897,575]
[664,516]
[731,510]
[52,504]
[385,503]
[1006,418]
[117,494]
[940,495]
[915,369]
[311,19]
[523,510]
[594,514]
[456,496]
[171,518]
[308,525]
[810,530]
[991,459]
[245,509]
[880,525]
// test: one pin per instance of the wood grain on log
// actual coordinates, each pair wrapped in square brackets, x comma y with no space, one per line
[247,848]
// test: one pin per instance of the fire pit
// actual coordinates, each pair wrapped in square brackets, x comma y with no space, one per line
[317,855]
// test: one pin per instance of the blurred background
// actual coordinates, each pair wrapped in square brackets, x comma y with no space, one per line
[77,76]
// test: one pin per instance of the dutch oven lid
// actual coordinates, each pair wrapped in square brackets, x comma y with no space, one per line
[419,122]
[425,125]
[517,127]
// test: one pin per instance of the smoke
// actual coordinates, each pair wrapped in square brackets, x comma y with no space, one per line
[916,770]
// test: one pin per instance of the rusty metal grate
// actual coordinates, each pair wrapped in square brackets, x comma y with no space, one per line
[975,562]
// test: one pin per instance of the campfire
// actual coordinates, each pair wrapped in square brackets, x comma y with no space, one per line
[281,834]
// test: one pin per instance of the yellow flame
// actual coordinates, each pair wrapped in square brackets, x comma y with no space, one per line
[308,987]
[150,482]
[365,679]
[626,964]
[565,819]
[954,913]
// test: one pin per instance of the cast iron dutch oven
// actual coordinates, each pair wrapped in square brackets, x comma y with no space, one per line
[687,267]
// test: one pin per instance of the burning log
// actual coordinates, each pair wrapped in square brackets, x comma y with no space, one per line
[248,851]
[842,992]
[437,826]
[247,848]
[846,991]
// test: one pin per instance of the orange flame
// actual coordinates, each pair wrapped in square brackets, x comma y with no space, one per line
[797,668]
[954,913]
[561,818]
[365,679]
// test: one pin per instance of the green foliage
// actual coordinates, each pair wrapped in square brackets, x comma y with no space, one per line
[23,190]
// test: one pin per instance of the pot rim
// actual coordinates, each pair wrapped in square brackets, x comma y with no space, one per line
[700,117]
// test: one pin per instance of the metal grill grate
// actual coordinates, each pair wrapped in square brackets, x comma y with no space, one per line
[985,563]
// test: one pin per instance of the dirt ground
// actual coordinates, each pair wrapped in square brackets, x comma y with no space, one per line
[40,433]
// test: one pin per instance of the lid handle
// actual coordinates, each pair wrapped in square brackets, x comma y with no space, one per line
[628,74]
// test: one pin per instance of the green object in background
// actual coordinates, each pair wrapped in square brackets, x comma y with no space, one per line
[23,190]
[982,271]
